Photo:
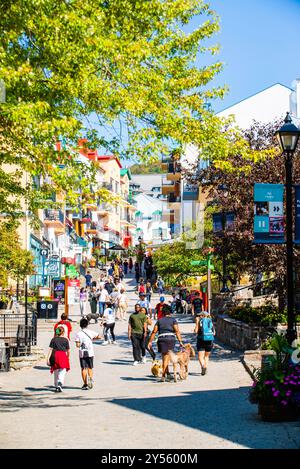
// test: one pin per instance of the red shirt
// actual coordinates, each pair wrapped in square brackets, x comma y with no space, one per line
[159,308]
[66,323]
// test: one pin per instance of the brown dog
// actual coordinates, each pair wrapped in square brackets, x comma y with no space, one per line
[156,368]
[182,359]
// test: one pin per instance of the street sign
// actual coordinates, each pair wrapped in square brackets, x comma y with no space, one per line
[194,263]
[44,252]
[52,268]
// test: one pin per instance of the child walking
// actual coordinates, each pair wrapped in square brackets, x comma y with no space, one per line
[58,358]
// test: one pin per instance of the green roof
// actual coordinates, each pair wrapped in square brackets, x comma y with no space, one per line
[124,171]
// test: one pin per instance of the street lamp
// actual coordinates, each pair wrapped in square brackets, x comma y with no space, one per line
[288,136]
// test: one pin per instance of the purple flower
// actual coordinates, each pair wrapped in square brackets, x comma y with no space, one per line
[284,402]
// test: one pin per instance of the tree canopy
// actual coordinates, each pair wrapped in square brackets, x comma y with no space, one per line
[122,73]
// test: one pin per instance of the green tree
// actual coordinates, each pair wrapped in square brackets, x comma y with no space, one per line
[173,262]
[120,72]
[15,262]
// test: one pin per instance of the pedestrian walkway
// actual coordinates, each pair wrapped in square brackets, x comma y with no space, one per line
[129,408]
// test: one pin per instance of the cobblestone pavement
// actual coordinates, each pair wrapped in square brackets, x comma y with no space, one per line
[128,408]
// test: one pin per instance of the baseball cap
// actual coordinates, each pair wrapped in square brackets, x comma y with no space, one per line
[162,298]
[142,294]
[205,313]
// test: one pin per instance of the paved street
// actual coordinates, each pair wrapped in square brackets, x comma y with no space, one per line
[128,408]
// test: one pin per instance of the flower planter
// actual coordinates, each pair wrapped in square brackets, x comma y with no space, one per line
[275,413]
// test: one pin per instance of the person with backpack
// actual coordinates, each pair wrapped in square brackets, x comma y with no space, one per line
[205,338]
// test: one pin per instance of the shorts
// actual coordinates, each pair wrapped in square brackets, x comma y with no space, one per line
[204,345]
[87,362]
[164,344]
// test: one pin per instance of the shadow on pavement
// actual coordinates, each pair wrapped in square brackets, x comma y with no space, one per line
[223,413]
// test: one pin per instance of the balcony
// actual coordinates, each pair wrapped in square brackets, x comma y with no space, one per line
[92,229]
[86,217]
[167,187]
[108,186]
[54,219]
[103,209]
[173,171]
[172,198]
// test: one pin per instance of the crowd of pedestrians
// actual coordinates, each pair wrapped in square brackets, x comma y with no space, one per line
[108,303]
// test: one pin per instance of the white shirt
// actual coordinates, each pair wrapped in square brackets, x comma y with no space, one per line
[104,296]
[85,337]
[120,287]
[122,299]
[109,316]
[101,283]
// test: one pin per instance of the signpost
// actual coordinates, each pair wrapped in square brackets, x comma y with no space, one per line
[269,221]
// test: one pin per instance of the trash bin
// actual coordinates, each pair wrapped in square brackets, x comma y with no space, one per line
[47,309]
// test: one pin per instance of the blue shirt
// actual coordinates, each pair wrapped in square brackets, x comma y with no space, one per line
[144,304]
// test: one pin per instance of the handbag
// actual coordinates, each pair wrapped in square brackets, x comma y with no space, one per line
[52,358]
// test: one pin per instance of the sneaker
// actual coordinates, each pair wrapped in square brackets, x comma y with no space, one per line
[85,387]
[56,390]
[90,383]
[135,363]
[114,342]
[204,371]
[105,342]
[144,360]
[59,387]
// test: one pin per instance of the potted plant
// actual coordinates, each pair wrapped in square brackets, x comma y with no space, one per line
[276,387]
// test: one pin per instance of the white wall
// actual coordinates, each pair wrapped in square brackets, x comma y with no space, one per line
[265,106]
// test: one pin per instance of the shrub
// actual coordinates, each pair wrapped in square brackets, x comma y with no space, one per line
[267,315]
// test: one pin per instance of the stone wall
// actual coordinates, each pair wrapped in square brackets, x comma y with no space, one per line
[242,336]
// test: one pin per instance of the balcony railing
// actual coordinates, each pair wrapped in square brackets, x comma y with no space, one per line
[54,215]
[171,198]
[108,186]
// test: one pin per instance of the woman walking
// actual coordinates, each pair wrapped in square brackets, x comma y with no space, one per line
[93,299]
[167,329]
[130,265]
[147,338]
[149,291]
[82,301]
[205,332]
[109,322]
[58,358]
[126,266]
[122,305]
[137,272]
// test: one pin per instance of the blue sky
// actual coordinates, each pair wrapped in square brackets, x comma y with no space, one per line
[259,44]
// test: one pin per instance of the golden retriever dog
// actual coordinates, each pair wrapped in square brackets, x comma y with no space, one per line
[156,368]
[182,359]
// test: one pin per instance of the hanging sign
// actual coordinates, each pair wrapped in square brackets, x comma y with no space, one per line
[297,214]
[73,291]
[59,290]
[269,221]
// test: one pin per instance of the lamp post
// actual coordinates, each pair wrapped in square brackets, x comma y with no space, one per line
[288,136]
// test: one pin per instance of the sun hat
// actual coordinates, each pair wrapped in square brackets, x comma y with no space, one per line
[205,313]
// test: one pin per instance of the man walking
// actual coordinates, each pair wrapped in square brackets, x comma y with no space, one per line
[84,341]
[103,299]
[88,279]
[143,302]
[137,332]
[197,305]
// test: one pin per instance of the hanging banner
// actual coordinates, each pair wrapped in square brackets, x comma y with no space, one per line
[223,222]
[297,214]
[269,221]
[73,291]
